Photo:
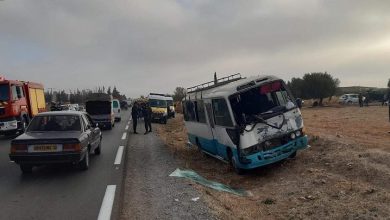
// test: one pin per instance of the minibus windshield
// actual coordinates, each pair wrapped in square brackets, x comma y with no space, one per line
[157,103]
[264,101]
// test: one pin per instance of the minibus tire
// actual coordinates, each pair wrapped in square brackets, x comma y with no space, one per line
[293,155]
[236,169]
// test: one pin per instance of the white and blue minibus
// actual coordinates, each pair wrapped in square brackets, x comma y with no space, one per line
[248,122]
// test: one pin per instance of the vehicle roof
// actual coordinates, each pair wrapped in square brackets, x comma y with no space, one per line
[60,113]
[231,88]
[159,97]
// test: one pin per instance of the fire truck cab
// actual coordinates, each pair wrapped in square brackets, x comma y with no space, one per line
[19,102]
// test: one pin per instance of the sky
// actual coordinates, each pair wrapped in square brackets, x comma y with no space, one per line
[154,46]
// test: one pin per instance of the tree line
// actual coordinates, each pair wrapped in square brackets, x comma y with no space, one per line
[80,96]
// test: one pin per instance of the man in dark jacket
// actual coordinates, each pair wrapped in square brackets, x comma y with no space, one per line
[134,115]
[147,112]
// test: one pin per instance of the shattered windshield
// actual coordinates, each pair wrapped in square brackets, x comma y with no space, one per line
[4,92]
[261,101]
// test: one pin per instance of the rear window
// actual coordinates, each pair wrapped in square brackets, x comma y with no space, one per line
[55,123]
[98,107]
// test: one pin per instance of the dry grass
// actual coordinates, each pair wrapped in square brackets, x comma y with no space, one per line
[344,175]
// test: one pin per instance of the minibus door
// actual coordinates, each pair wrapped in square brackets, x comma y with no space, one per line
[212,148]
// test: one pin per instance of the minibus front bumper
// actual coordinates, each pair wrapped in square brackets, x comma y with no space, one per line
[274,155]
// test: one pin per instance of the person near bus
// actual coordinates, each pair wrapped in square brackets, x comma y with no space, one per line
[134,115]
[147,112]
[360,100]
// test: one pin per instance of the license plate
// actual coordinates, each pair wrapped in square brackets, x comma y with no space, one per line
[45,148]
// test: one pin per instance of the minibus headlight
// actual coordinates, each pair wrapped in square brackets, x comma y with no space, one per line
[292,136]
[298,133]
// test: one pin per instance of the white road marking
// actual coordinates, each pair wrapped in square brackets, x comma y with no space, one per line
[127,127]
[119,154]
[124,136]
[108,202]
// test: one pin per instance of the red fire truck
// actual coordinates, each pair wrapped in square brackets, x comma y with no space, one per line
[19,102]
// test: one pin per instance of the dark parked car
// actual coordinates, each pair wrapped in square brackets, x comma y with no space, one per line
[57,137]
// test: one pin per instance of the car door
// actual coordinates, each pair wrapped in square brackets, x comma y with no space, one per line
[89,131]
[95,130]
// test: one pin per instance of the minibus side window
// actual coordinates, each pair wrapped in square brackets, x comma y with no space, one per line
[221,113]
[201,115]
[189,111]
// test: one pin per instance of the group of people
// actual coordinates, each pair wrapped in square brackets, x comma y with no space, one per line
[142,110]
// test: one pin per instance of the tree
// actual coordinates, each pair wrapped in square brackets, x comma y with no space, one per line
[109,90]
[319,86]
[296,86]
[115,93]
[179,94]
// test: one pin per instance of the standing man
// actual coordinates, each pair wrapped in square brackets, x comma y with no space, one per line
[147,112]
[360,100]
[134,115]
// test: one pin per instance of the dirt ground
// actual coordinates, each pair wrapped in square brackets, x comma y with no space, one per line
[344,175]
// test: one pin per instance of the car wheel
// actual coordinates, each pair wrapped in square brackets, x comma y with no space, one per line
[165,120]
[109,127]
[233,162]
[119,119]
[99,148]
[26,168]
[84,164]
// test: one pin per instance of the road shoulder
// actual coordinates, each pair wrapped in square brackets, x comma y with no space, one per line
[149,191]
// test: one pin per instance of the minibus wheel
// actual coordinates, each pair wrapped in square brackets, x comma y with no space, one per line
[236,169]
[293,155]
[233,164]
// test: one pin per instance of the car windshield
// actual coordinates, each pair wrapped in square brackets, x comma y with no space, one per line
[157,103]
[4,92]
[55,123]
[265,100]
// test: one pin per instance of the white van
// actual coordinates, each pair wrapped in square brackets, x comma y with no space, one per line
[117,109]
[249,122]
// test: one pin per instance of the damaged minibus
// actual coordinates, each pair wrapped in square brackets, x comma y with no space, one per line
[248,122]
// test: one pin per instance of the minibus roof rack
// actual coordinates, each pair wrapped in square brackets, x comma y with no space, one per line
[212,84]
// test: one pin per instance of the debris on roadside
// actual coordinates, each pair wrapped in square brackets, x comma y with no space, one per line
[195,199]
[193,176]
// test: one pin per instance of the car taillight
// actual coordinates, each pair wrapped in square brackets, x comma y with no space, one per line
[17,148]
[71,147]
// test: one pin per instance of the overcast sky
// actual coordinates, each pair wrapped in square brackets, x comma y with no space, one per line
[153,46]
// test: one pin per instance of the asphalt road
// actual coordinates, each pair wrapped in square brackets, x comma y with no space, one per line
[61,191]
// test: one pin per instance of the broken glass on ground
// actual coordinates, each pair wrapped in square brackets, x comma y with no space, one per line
[193,176]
